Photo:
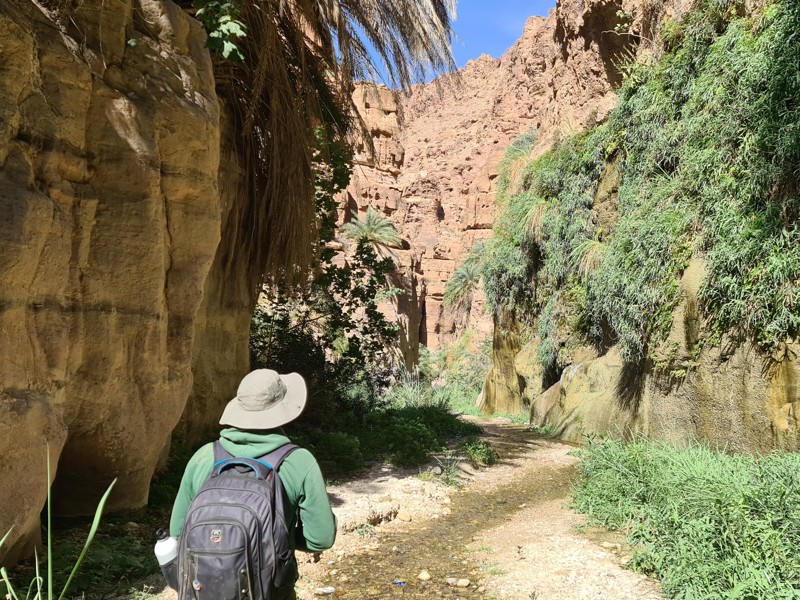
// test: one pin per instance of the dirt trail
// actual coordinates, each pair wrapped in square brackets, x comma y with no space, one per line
[508,530]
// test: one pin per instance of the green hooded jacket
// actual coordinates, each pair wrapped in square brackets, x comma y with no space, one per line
[300,475]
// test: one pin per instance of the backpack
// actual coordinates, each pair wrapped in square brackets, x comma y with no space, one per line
[234,543]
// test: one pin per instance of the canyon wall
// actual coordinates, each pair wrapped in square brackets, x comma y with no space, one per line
[110,152]
[434,175]
[438,147]
[732,395]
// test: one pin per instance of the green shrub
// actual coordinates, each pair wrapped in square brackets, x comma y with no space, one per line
[479,453]
[707,144]
[707,524]
[337,453]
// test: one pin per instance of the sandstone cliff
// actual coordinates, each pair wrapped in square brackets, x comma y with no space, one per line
[732,397]
[434,175]
[438,147]
[112,207]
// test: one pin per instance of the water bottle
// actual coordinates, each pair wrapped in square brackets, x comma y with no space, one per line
[167,556]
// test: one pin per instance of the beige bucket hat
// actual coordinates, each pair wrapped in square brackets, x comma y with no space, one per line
[266,400]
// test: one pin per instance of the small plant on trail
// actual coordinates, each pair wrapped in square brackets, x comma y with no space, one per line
[450,475]
[546,430]
[491,568]
[480,453]
[365,530]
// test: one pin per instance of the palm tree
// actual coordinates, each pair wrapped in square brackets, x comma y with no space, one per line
[299,59]
[375,229]
[461,287]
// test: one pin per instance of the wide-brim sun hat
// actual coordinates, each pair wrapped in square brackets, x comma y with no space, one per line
[266,400]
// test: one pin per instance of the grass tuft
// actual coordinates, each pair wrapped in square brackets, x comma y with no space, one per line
[706,523]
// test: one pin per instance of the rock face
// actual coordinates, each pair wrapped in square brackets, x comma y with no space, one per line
[111,212]
[730,396]
[439,147]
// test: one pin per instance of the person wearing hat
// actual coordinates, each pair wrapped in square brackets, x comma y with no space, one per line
[264,402]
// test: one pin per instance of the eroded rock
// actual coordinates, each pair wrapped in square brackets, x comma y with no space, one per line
[109,160]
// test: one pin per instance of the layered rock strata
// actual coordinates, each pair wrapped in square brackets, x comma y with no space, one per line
[111,216]
[438,148]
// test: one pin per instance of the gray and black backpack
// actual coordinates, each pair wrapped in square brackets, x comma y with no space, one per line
[234,544]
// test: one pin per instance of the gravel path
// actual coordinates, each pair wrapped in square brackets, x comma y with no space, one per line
[507,530]
[525,544]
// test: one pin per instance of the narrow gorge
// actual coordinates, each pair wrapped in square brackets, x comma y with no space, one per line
[578,161]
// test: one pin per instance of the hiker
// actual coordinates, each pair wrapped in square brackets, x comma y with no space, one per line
[264,402]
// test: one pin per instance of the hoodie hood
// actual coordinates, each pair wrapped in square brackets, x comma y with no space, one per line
[251,444]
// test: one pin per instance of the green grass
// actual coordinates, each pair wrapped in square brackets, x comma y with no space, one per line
[56,574]
[708,524]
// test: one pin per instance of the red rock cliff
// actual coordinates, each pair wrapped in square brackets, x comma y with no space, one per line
[439,146]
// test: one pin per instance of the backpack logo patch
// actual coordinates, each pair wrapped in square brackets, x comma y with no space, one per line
[216,536]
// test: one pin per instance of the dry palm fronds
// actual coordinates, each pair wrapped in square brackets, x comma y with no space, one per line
[300,58]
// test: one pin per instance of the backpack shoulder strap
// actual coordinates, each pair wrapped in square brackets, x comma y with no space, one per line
[220,453]
[276,457]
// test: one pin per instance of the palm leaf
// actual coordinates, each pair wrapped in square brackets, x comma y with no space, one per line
[461,287]
[374,229]
[299,60]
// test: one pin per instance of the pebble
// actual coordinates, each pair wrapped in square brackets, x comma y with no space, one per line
[326,591]
[404,516]
[451,581]
[344,579]
[462,583]
[424,575]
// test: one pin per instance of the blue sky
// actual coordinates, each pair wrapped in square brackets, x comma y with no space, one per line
[491,26]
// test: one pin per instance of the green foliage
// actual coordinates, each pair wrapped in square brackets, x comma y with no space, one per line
[41,588]
[461,287]
[365,530]
[221,20]
[515,156]
[708,162]
[337,453]
[408,435]
[479,453]
[463,367]
[331,328]
[707,144]
[375,230]
[707,524]
[451,474]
